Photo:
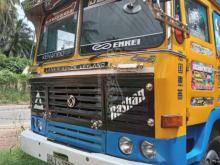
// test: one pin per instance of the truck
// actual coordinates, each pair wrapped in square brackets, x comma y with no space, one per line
[125,82]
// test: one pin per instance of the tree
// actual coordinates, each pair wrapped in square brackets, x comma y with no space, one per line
[20,41]
[15,35]
[7,20]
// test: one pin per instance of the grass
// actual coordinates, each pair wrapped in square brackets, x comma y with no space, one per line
[17,157]
[12,96]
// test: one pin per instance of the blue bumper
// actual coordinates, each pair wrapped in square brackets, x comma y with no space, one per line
[169,151]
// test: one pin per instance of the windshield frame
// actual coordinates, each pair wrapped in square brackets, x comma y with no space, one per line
[104,2]
[54,55]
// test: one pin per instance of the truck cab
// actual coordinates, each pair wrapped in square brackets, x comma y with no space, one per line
[124,82]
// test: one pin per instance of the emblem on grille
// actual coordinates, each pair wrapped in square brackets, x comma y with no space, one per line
[71,101]
[38,104]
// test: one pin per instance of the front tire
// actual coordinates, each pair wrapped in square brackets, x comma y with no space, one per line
[212,156]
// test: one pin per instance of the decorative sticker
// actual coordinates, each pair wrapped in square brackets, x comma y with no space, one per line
[197,19]
[202,76]
[63,13]
[52,4]
[216,20]
[144,58]
[201,49]
[202,101]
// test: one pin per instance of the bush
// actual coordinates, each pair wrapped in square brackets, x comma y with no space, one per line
[13,96]
[13,84]
[13,64]
[7,77]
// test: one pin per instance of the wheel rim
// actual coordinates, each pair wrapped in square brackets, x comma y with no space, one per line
[211,158]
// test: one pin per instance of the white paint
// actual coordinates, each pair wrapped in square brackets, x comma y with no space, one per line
[127,104]
[36,145]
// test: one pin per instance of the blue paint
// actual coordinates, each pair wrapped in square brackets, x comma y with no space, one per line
[34,120]
[201,133]
[169,151]
[81,137]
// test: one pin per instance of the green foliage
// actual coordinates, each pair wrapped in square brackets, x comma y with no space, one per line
[13,84]
[13,64]
[7,77]
[17,157]
[13,96]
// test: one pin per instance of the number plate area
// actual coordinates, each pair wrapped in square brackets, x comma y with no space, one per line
[57,160]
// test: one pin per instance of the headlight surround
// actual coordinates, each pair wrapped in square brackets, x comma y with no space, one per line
[40,125]
[126,145]
[148,150]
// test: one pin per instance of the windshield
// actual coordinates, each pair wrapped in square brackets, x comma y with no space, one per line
[115,26]
[59,33]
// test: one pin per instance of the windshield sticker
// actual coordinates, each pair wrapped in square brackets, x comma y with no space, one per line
[201,49]
[63,13]
[202,101]
[101,65]
[111,45]
[202,76]
[127,104]
[116,44]
[55,54]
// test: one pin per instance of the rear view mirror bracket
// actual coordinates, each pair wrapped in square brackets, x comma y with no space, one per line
[160,15]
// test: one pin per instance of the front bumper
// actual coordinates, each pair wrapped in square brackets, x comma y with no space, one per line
[38,146]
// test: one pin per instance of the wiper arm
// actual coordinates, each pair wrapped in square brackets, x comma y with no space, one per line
[95,56]
[41,63]
[108,51]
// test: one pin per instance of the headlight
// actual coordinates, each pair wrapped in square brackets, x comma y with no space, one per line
[148,150]
[126,145]
[40,125]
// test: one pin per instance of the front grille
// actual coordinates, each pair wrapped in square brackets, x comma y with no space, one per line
[77,136]
[116,102]
[89,104]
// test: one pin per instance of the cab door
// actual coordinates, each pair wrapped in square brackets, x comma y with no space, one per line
[201,62]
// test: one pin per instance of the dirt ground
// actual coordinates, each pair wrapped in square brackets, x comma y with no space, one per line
[13,120]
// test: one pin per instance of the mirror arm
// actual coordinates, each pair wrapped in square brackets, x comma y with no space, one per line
[160,15]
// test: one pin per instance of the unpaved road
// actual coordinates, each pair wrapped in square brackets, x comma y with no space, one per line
[13,119]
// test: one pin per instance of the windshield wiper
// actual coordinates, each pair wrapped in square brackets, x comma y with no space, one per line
[42,62]
[108,51]
[96,56]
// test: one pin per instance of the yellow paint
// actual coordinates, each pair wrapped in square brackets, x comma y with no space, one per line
[166,77]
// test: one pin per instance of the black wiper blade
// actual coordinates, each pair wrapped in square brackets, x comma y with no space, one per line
[108,51]
[41,63]
[96,56]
